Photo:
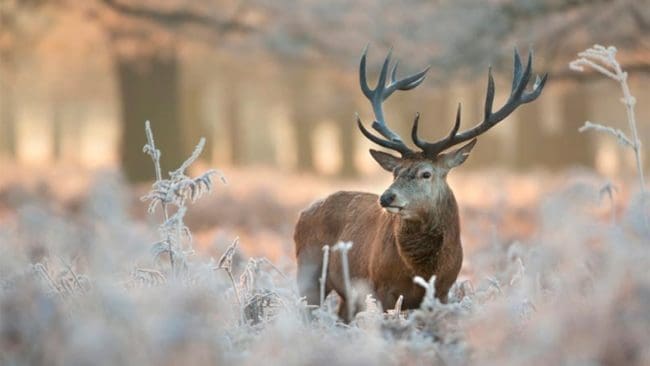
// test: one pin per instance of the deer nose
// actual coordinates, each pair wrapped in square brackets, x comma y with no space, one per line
[386,199]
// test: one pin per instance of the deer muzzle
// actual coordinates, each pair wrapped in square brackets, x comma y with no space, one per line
[387,201]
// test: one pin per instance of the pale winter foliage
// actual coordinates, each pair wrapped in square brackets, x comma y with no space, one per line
[85,290]
[176,191]
[603,60]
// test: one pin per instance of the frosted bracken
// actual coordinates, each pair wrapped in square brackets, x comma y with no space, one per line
[576,292]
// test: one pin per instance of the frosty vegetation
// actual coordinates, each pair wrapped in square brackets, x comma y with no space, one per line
[577,292]
[603,60]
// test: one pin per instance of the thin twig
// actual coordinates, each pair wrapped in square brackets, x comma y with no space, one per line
[323,275]
[74,275]
[397,310]
[603,60]
[198,149]
[150,149]
[273,266]
[620,135]
[225,263]
[40,268]
[234,286]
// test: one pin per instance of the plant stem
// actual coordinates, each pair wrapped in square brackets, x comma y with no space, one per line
[234,287]
[398,306]
[323,275]
[346,279]
[629,102]
[155,157]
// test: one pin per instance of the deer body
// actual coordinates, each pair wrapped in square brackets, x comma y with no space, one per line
[413,228]
[388,250]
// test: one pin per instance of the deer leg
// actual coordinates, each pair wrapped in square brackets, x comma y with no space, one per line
[343,310]
[442,289]
[309,270]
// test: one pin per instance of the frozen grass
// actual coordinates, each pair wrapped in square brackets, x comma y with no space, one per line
[603,60]
[577,292]
[83,288]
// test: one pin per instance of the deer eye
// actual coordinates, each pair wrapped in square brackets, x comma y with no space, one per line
[426,175]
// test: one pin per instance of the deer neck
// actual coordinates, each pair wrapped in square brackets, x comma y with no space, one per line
[420,240]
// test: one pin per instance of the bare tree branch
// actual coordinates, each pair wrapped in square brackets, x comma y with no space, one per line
[519,11]
[180,17]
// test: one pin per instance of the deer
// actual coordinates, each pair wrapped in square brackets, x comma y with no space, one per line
[413,227]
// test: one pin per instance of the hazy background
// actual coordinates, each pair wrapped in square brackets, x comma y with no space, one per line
[554,224]
[274,83]
[273,86]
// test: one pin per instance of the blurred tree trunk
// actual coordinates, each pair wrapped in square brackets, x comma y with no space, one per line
[569,147]
[530,138]
[343,115]
[193,118]
[8,144]
[488,149]
[259,126]
[58,129]
[302,126]
[302,118]
[74,124]
[233,122]
[148,90]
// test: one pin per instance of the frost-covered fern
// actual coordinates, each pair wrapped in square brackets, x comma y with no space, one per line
[172,195]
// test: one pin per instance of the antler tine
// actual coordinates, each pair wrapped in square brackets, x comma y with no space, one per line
[362,75]
[380,93]
[537,89]
[489,95]
[406,83]
[518,96]
[393,145]
[433,148]
[414,130]
[376,95]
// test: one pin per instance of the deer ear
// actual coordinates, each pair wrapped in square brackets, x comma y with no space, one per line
[387,161]
[457,157]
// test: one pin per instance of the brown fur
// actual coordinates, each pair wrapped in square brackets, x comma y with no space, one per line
[388,249]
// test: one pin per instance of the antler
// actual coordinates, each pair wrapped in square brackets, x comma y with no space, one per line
[518,96]
[378,95]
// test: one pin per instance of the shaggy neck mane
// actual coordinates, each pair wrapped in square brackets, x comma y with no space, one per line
[420,241]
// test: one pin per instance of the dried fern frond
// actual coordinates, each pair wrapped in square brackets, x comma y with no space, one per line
[247,280]
[225,262]
[176,191]
[198,149]
[262,306]
[146,277]
[180,190]
[174,225]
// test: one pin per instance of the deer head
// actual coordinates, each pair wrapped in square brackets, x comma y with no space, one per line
[420,175]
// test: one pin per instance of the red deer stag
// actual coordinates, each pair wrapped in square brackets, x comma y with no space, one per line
[413,228]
